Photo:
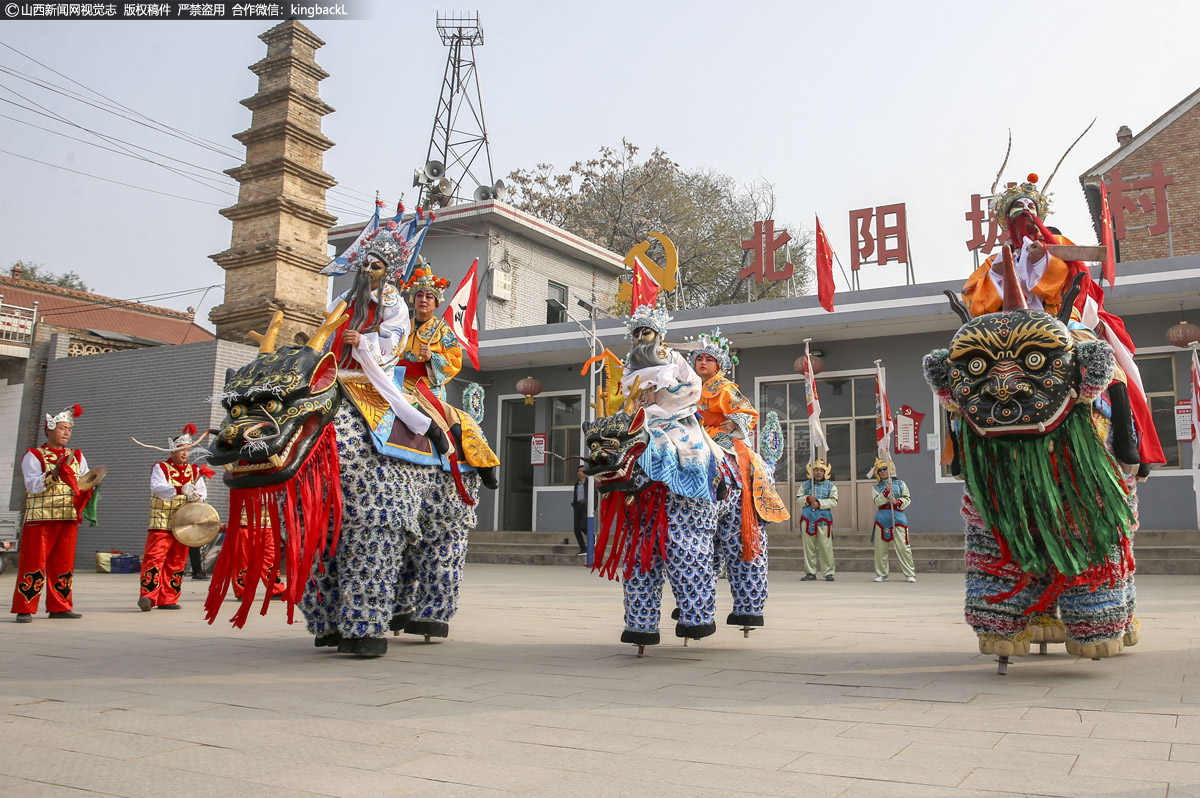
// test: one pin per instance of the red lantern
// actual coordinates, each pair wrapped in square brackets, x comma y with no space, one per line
[818,364]
[1183,334]
[530,388]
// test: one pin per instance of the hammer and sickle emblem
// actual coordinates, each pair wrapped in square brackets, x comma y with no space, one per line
[663,275]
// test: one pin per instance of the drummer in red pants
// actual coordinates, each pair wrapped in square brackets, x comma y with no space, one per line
[173,483]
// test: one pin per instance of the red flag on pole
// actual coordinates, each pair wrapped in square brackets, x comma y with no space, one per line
[460,315]
[1109,271]
[824,269]
[645,288]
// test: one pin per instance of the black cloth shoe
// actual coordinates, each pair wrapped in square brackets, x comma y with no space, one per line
[808,578]
[437,436]
[330,640]
[427,628]
[640,638]
[24,617]
[370,646]
[66,614]
[697,632]
[169,607]
[199,577]
[828,577]
[144,604]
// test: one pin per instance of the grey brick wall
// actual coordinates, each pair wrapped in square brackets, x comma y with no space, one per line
[149,394]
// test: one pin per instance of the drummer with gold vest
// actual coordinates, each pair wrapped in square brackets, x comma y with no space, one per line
[173,483]
[53,504]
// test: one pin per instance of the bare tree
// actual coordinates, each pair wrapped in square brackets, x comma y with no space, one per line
[615,200]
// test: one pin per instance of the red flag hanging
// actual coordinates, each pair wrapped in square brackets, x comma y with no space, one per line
[824,269]
[460,315]
[645,287]
[1109,271]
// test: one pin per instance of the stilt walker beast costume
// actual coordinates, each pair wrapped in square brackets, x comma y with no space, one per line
[891,523]
[819,496]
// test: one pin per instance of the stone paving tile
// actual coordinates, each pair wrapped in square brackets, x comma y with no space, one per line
[533,695]
[1066,786]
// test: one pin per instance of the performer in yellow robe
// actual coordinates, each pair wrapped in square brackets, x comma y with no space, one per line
[433,356]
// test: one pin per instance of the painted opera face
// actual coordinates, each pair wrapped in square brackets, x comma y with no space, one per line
[1013,373]
[277,405]
[614,445]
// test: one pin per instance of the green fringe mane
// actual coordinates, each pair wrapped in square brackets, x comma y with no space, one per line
[1058,498]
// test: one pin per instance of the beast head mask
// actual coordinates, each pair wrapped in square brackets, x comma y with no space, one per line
[277,407]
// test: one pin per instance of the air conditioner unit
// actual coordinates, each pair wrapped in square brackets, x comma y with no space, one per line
[501,285]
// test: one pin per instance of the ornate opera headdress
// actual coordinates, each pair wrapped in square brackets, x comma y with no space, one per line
[185,441]
[1021,198]
[891,467]
[819,463]
[423,279]
[655,319]
[715,346]
[386,244]
[67,416]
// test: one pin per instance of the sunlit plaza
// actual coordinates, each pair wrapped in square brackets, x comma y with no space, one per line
[852,689]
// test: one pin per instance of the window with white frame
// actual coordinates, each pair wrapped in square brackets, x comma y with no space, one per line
[566,415]
[1158,378]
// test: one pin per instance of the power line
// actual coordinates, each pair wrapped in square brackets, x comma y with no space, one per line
[161,127]
[109,180]
[83,307]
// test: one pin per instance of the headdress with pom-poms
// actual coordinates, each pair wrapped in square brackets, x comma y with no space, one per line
[67,416]
[423,279]
[186,440]
[715,346]
[1005,203]
[655,319]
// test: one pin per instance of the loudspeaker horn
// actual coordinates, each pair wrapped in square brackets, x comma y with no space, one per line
[419,178]
[435,170]
[482,194]
[499,190]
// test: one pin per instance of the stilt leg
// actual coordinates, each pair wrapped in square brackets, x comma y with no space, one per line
[685,642]
[1042,648]
[746,630]
[641,651]
[1002,666]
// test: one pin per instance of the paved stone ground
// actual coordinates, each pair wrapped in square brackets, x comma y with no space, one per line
[854,689]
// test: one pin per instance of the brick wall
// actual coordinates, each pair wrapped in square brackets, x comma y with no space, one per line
[1177,147]
[532,267]
[149,394]
[10,424]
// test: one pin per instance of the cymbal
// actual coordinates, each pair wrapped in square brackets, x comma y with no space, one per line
[92,478]
[195,524]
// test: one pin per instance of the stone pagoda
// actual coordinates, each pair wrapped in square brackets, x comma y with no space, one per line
[280,223]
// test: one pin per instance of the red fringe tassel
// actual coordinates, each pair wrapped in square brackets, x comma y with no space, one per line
[304,506]
[637,528]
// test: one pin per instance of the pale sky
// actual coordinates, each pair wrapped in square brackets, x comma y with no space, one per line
[840,105]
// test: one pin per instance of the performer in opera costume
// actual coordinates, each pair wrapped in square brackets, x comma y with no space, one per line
[890,495]
[432,351]
[819,496]
[1044,439]
[53,507]
[741,541]
[173,483]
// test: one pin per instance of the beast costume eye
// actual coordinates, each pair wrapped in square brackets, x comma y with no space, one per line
[976,366]
[1035,360]
[274,406]
[237,411]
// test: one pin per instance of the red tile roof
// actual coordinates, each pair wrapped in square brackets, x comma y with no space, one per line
[79,310]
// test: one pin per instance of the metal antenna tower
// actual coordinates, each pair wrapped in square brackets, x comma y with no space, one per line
[458,138]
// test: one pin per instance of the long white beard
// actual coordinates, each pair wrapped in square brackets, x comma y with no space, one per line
[646,354]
